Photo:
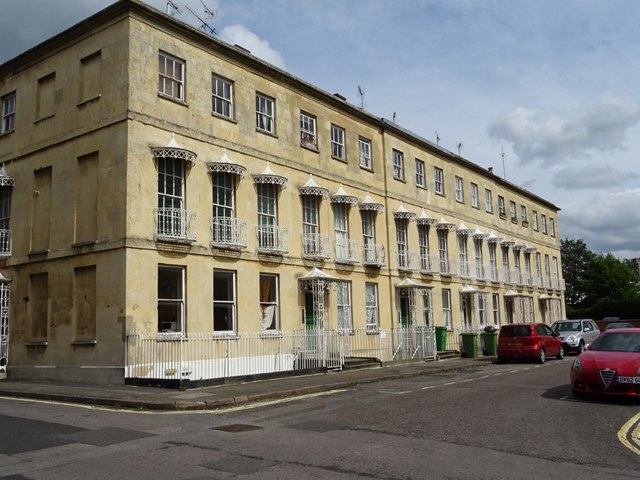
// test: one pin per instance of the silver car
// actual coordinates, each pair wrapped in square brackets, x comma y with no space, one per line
[576,334]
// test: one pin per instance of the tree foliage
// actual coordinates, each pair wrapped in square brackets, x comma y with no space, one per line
[595,280]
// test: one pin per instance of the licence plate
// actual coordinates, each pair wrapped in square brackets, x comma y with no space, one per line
[628,379]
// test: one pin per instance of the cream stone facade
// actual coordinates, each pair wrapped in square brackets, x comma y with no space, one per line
[159,182]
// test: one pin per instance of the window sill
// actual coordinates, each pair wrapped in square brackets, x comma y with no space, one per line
[311,147]
[86,343]
[227,335]
[266,132]
[270,334]
[83,103]
[39,252]
[173,99]
[399,179]
[368,169]
[373,331]
[36,343]
[440,194]
[7,133]
[170,336]
[224,117]
[88,243]
[42,119]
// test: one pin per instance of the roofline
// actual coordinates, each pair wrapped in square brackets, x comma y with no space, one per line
[124,8]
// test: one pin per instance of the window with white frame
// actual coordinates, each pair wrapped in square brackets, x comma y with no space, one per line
[459,189]
[556,272]
[401,239]
[267,215]
[475,201]
[269,302]
[552,227]
[538,270]
[516,265]
[5,211]
[364,149]
[398,165]
[223,194]
[527,268]
[446,307]
[8,113]
[501,208]
[343,300]
[523,215]
[265,113]
[427,308]
[464,258]
[308,136]
[443,250]
[547,271]
[534,220]
[423,245]
[170,197]
[221,96]
[438,178]
[310,226]
[543,223]
[488,201]
[369,235]
[505,264]
[371,306]
[420,173]
[171,76]
[341,228]
[224,301]
[482,308]
[512,211]
[477,242]
[493,265]
[171,301]
[496,308]
[337,142]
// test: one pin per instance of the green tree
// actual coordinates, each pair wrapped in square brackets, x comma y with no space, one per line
[576,270]
[610,278]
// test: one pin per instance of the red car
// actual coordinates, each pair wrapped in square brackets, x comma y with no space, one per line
[528,341]
[610,366]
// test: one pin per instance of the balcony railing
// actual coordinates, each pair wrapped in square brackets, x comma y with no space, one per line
[373,255]
[478,271]
[407,260]
[448,266]
[347,251]
[429,263]
[465,269]
[493,272]
[272,239]
[5,243]
[174,225]
[229,233]
[315,246]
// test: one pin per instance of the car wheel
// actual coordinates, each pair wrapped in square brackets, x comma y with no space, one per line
[580,348]
[560,353]
[541,356]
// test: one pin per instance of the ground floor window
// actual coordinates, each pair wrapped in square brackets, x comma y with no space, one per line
[224,301]
[482,308]
[171,303]
[371,302]
[344,306]
[269,318]
[496,308]
[446,307]
[427,312]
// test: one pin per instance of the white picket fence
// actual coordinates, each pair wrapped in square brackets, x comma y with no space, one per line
[207,356]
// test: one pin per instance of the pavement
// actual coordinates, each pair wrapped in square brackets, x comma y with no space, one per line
[229,394]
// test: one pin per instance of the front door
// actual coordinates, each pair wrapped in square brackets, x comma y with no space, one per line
[309,311]
[466,310]
[405,311]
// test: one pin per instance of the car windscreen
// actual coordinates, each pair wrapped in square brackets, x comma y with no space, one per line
[567,327]
[515,331]
[617,342]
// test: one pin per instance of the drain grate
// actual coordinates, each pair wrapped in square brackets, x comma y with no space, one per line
[236,427]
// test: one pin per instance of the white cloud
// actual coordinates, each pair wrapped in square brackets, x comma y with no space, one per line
[240,35]
[590,177]
[553,138]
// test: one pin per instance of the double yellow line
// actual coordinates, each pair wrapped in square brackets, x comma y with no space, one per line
[629,434]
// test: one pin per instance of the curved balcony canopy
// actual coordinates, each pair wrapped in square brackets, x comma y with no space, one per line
[268,176]
[341,196]
[173,150]
[403,214]
[369,204]
[5,179]
[225,165]
[312,188]
[425,219]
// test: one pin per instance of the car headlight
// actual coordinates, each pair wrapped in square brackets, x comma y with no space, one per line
[571,338]
[577,365]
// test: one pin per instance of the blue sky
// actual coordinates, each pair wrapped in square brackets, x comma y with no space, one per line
[553,84]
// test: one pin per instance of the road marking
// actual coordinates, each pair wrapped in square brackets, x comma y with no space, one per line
[394,393]
[629,434]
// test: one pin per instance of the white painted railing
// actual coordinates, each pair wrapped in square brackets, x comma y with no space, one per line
[228,233]
[407,260]
[174,224]
[272,239]
[5,243]
[373,254]
[347,251]
[315,245]
[207,356]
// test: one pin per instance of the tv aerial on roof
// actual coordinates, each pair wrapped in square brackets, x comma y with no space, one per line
[209,14]
[361,93]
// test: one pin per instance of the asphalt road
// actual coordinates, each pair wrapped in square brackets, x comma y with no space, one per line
[514,421]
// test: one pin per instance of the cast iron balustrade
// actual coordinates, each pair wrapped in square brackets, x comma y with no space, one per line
[407,260]
[347,251]
[272,239]
[373,255]
[315,246]
[429,263]
[174,225]
[229,233]
[5,243]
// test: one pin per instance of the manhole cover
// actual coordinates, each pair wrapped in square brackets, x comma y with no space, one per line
[237,427]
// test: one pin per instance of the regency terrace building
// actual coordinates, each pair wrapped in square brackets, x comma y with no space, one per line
[158,183]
